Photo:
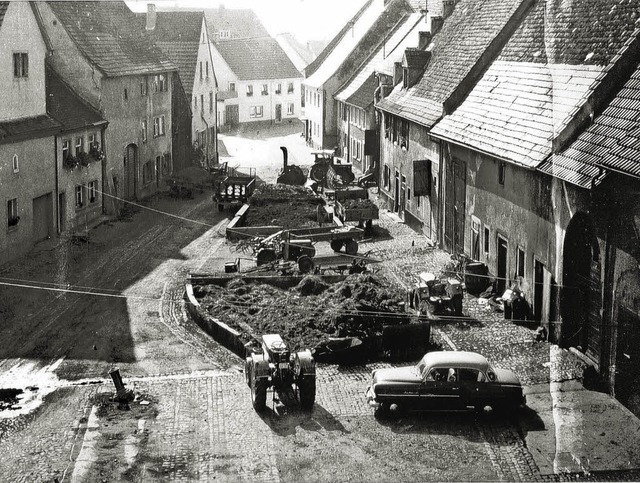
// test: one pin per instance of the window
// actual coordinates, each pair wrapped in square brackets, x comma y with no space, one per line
[224,34]
[126,94]
[210,102]
[386,177]
[202,103]
[160,83]
[207,69]
[12,213]
[475,238]
[143,131]
[20,65]
[16,166]
[232,86]
[92,189]
[92,141]
[290,109]
[520,262]
[79,145]
[249,90]
[79,196]
[66,144]
[256,111]
[265,89]
[501,169]
[290,88]
[143,87]
[200,70]
[148,172]
[487,233]
[422,178]
[278,88]
[158,126]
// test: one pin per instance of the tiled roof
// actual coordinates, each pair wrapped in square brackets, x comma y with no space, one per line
[28,128]
[363,96]
[66,107]
[241,23]
[343,49]
[335,41]
[465,36]
[390,51]
[300,55]
[613,140]
[3,10]
[257,58]
[111,36]
[176,26]
[185,56]
[522,102]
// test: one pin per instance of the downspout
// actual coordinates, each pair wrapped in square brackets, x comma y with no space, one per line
[207,131]
[57,182]
[441,201]
[348,133]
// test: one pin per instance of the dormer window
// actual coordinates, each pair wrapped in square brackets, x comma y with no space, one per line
[224,34]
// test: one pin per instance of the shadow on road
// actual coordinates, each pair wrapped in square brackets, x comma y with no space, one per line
[283,420]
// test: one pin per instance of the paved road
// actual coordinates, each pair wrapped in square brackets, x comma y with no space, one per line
[192,419]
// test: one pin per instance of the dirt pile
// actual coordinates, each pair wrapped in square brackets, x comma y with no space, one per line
[309,313]
[288,206]
[359,204]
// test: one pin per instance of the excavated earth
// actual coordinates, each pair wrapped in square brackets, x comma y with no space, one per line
[308,314]
[283,205]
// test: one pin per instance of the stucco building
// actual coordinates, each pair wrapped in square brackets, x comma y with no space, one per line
[102,51]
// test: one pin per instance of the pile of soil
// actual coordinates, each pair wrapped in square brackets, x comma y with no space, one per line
[284,205]
[308,314]
[358,204]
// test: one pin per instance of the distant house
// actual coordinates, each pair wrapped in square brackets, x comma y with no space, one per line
[233,23]
[27,167]
[301,55]
[184,39]
[257,82]
[102,51]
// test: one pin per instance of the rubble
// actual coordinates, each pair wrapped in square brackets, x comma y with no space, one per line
[285,205]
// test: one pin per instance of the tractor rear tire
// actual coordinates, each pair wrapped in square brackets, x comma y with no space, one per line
[266,255]
[307,390]
[351,247]
[259,394]
[336,245]
[305,264]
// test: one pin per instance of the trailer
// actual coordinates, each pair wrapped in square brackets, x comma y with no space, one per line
[234,190]
[358,210]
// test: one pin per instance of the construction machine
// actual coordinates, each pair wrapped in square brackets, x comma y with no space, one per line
[290,174]
[330,171]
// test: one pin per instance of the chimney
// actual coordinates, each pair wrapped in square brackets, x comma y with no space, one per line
[447,7]
[397,73]
[436,24]
[151,16]
[424,40]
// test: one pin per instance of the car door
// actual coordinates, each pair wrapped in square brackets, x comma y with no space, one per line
[444,391]
[473,387]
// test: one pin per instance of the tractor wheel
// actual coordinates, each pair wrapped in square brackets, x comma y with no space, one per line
[348,177]
[336,245]
[258,393]
[307,390]
[351,247]
[318,172]
[305,264]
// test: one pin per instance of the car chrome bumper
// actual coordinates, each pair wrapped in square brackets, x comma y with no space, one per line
[371,399]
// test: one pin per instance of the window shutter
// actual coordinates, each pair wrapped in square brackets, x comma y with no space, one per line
[422,178]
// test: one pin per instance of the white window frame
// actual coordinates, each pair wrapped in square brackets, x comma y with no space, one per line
[92,188]
[21,66]
[290,88]
[79,196]
[79,146]
[290,108]
[15,163]
[256,111]
[249,90]
[158,126]
[66,146]
[143,128]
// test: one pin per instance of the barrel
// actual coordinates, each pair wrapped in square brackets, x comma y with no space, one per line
[476,277]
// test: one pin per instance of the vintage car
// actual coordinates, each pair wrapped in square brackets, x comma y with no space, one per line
[446,380]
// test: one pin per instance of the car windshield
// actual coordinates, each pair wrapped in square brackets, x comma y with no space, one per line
[421,368]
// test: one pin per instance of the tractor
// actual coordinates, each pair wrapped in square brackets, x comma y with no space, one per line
[330,171]
[290,375]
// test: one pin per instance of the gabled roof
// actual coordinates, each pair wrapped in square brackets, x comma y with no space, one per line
[300,55]
[389,51]
[325,66]
[457,54]
[363,96]
[177,34]
[257,58]
[612,142]
[111,37]
[530,93]
[3,10]
[66,107]
[241,23]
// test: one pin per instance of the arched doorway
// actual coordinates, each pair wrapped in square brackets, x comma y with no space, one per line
[130,172]
[581,300]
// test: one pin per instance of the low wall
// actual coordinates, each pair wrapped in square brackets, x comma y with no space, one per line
[221,332]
